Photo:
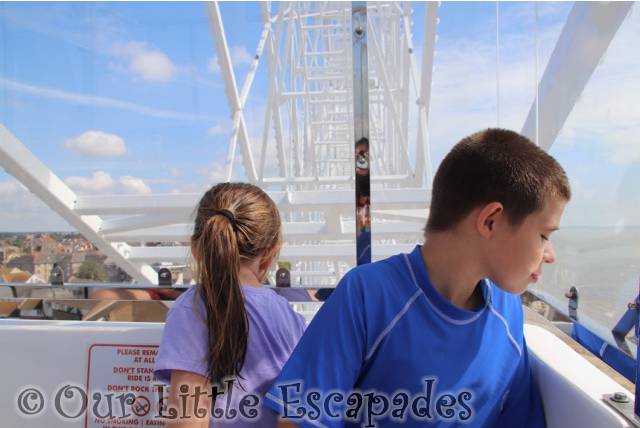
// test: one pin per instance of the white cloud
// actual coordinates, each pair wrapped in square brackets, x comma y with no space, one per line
[17,195]
[240,55]
[99,182]
[465,93]
[23,211]
[464,89]
[134,185]
[606,113]
[103,183]
[146,63]
[175,172]
[154,66]
[94,100]
[212,65]
[191,188]
[216,173]
[97,143]
[599,138]
[217,130]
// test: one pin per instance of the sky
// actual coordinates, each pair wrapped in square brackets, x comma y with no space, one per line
[127,97]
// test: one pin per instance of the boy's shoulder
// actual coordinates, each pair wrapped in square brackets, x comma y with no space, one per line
[381,273]
[382,284]
[508,308]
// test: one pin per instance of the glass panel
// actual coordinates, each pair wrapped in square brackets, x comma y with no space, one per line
[464,90]
[598,245]
[129,98]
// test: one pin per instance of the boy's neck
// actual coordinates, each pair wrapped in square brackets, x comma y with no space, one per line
[453,269]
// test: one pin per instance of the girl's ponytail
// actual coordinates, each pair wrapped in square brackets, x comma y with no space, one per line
[234,222]
[227,326]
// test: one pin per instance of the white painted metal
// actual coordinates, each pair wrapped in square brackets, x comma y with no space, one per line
[570,386]
[307,253]
[308,131]
[239,131]
[291,232]
[309,60]
[16,159]
[137,222]
[423,155]
[585,38]
[319,200]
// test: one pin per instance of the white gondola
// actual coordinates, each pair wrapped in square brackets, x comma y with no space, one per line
[304,158]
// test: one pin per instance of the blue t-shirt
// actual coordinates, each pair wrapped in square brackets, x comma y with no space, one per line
[387,342]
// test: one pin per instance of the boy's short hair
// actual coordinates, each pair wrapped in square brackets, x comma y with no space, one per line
[494,165]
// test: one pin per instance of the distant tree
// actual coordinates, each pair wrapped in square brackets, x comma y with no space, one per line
[57,236]
[286,265]
[92,270]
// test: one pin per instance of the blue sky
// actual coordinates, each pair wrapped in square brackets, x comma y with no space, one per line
[125,97]
[134,70]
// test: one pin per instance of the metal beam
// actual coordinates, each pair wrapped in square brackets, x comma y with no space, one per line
[140,204]
[424,101]
[291,231]
[137,222]
[292,253]
[318,200]
[585,38]
[390,102]
[240,127]
[18,161]
[359,33]
[273,101]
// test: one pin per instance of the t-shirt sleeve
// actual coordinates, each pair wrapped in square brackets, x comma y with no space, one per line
[326,361]
[183,345]
[293,294]
[524,405]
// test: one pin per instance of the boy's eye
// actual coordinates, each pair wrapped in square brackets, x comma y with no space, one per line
[546,238]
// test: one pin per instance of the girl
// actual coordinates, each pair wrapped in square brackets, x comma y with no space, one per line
[228,327]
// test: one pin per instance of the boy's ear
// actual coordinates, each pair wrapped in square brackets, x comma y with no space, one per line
[488,217]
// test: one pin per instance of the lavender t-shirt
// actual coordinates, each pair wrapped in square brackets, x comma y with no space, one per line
[274,330]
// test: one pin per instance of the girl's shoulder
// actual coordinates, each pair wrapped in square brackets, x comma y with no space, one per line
[189,299]
[266,303]
[263,296]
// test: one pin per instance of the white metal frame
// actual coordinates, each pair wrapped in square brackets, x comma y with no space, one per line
[308,60]
[585,38]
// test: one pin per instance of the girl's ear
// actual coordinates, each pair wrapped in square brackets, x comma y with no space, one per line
[268,257]
[194,252]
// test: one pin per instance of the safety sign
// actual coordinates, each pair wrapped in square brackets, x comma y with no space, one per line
[121,389]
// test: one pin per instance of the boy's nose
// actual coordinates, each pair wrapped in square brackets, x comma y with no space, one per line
[549,255]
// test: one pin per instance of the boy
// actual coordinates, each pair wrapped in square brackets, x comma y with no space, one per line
[434,337]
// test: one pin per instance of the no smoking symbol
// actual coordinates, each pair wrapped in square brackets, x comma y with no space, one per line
[162,406]
[141,406]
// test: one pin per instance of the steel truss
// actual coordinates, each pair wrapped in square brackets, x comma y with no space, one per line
[308,130]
